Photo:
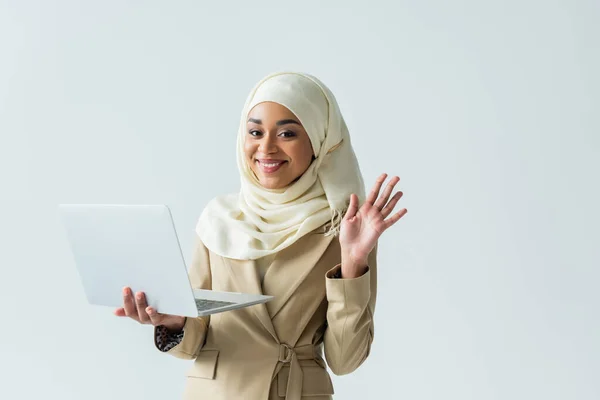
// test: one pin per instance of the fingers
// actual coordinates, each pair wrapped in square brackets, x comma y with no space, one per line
[352,207]
[383,199]
[395,218]
[155,318]
[140,302]
[389,207]
[375,191]
[128,304]
[119,312]
[137,308]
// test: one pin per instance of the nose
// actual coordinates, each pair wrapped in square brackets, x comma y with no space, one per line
[267,145]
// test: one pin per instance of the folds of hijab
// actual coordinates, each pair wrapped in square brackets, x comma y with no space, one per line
[257,222]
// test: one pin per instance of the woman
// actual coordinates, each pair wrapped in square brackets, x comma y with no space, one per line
[296,232]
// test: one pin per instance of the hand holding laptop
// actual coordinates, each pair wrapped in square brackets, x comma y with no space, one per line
[116,245]
[137,309]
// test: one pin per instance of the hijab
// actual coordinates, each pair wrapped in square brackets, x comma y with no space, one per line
[257,221]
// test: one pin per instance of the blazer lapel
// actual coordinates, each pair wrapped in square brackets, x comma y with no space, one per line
[245,277]
[290,268]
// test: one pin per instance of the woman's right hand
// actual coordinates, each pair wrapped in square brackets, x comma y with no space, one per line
[138,310]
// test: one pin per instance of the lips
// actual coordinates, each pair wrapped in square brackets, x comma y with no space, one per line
[269,166]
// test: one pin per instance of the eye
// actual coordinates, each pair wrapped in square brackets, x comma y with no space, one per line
[254,133]
[287,134]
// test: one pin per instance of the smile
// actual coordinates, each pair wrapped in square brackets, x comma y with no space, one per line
[269,166]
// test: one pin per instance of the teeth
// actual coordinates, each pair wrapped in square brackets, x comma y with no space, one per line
[270,164]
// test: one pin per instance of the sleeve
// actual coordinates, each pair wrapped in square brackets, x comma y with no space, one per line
[165,339]
[187,344]
[350,328]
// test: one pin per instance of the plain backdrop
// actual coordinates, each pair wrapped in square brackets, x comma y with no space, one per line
[487,110]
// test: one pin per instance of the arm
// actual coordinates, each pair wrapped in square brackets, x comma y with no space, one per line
[351,298]
[351,305]
[195,329]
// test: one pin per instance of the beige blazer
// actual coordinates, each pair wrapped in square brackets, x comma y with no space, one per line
[275,350]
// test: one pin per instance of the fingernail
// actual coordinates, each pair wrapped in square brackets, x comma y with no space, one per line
[125,291]
[139,295]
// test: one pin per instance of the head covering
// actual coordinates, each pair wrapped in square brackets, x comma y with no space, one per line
[257,222]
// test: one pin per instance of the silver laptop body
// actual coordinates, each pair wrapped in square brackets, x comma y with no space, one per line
[117,245]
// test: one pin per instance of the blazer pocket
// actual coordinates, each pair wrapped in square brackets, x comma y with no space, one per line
[315,381]
[205,365]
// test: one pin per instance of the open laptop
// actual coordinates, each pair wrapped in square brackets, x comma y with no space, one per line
[116,245]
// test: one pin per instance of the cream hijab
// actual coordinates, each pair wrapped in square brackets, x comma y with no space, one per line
[258,222]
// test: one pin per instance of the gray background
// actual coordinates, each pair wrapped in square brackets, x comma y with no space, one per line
[487,110]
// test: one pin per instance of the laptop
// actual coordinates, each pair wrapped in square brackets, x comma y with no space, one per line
[116,245]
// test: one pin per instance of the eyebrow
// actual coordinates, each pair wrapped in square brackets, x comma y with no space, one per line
[278,123]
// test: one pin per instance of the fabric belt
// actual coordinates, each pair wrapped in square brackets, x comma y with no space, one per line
[292,355]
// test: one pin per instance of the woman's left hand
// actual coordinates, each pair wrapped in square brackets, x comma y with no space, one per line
[361,228]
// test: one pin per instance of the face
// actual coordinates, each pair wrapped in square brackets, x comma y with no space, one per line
[277,148]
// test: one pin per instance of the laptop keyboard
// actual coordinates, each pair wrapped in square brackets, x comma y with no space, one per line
[203,304]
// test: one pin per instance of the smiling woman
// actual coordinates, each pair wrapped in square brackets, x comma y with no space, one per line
[277,147]
[302,230]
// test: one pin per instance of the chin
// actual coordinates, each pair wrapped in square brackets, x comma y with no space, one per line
[272,183]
